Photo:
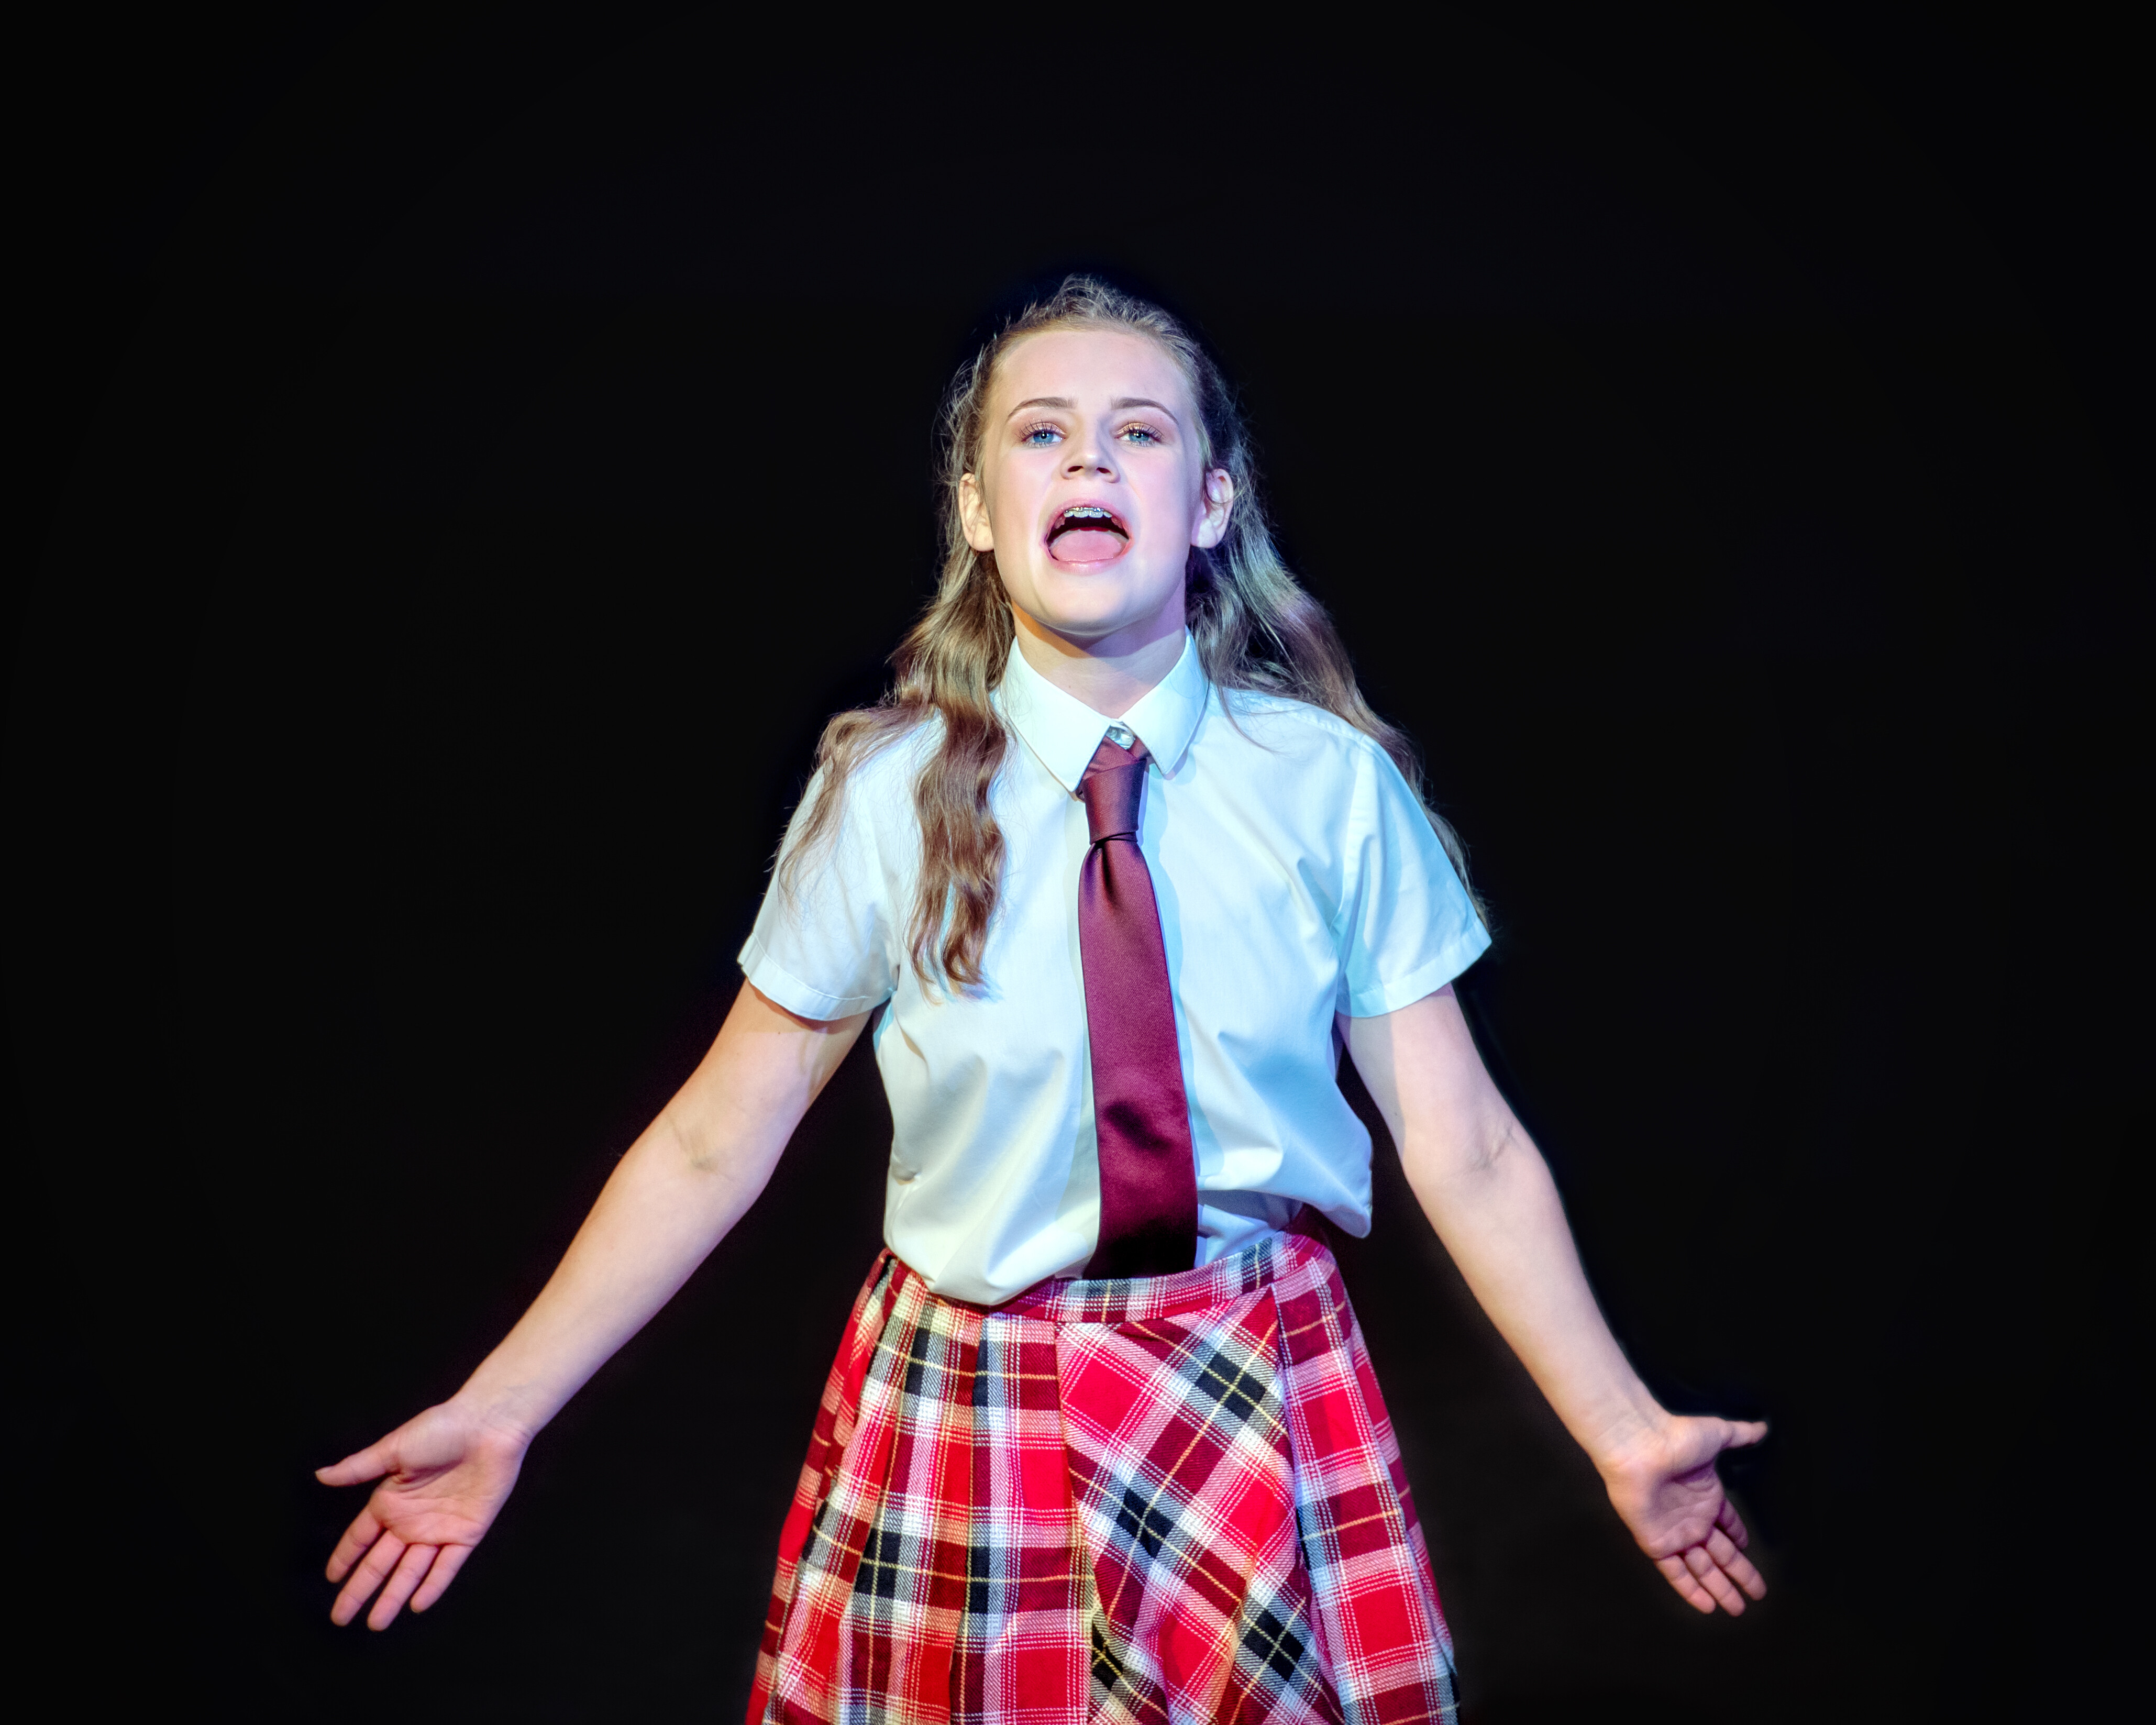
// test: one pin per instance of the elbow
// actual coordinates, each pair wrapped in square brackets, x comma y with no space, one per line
[691,1145]
[1474,1155]
[1499,1148]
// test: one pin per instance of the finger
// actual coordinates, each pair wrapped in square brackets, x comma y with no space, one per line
[439,1577]
[362,1534]
[1741,1569]
[1743,1432]
[410,1571]
[1732,1523]
[380,1561]
[1689,1591]
[1733,1563]
[361,1465]
[1709,1576]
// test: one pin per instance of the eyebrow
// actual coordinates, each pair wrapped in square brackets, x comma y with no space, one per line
[1117,406]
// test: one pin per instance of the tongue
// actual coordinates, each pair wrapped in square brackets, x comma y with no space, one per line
[1086,544]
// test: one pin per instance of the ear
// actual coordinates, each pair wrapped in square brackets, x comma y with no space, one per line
[1219,501]
[973,514]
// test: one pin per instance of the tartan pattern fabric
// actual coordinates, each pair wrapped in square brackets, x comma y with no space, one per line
[1154,1501]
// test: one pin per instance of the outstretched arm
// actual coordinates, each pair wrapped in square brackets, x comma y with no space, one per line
[1488,1193]
[682,1186]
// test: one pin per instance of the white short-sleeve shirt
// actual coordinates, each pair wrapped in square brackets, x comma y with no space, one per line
[1296,878]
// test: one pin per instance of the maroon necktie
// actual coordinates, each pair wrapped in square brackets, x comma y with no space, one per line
[1148,1181]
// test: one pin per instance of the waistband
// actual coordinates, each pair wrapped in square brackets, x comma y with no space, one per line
[1137,1299]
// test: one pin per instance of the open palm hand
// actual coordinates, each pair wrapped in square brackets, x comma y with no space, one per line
[1670,1496]
[444,1477]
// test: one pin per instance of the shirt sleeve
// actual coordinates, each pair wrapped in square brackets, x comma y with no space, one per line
[821,946]
[1407,926]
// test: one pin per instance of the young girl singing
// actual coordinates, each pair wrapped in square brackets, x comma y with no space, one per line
[1126,860]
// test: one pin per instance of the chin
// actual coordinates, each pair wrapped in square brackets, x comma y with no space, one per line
[1083,619]
[1107,590]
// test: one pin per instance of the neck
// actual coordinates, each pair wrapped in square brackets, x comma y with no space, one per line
[1111,674]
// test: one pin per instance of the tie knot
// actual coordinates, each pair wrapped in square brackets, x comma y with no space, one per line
[1113,783]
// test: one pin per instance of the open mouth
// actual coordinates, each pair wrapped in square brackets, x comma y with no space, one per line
[1087,533]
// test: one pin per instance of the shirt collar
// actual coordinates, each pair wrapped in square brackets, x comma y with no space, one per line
[1065,732]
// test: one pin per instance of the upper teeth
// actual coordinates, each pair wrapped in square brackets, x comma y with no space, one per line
[1087,511]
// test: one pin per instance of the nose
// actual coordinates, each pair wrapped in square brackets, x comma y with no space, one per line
[1089,454]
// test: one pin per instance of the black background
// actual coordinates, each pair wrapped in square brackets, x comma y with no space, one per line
[470,453]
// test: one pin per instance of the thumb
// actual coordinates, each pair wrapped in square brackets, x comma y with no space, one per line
[376,1459]
[1744,1432]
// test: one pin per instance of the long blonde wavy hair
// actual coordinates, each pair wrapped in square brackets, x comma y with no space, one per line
[1255,627]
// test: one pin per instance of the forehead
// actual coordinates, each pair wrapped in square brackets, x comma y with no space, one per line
[1091,367]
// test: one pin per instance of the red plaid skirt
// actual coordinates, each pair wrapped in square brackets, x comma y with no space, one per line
[1168,1500]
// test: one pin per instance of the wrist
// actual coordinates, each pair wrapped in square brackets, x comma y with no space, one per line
[1625,1435]
[508,1414]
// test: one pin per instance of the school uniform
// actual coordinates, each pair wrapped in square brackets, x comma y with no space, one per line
[1034,1495]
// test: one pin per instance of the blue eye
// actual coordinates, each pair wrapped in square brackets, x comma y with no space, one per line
[1040,435]
[1143,433]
